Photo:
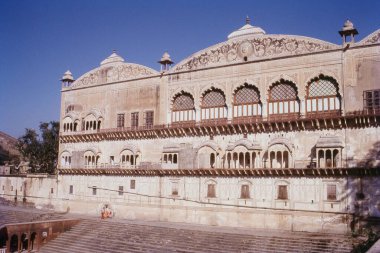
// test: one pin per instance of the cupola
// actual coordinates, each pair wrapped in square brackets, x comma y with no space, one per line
[67,79]
[348,30]
[165,62]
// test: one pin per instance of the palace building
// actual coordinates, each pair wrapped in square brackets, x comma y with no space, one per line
[261,130]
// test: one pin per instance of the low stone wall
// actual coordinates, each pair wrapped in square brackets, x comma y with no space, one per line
[151,198]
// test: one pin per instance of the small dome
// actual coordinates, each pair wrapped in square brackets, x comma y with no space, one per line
[165,59]
[113,58]
[348,25]
[68,76]
[246,30]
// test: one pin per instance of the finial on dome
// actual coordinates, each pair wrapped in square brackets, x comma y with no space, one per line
[113,58]
[247,20]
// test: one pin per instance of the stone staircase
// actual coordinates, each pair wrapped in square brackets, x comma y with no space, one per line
[116,236]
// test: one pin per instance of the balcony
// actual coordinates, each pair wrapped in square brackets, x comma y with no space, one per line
[241,125]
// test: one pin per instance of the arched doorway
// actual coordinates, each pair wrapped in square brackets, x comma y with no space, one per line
[14,243]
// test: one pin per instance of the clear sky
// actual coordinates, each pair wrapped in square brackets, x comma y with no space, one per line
[41,39]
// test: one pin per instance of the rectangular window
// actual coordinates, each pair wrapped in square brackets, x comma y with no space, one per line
[331,192]
[244,194]
[371,99]
[121,190]
[211,191]
[282,192]
[94,190]
[175,188]
[134,119]
[120,120]
[112,160]
[71,190]
[133,184]
[51,190]
[149,118]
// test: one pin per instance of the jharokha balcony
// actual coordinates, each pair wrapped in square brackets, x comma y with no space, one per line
[237,125]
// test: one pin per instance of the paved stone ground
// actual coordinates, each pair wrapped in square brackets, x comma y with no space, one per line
[117,235]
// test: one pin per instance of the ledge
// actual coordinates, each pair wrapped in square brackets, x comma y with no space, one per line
[291,172]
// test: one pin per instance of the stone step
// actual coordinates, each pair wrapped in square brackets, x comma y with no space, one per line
[115,237]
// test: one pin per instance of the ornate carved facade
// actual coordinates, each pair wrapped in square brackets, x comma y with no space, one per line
[258,107]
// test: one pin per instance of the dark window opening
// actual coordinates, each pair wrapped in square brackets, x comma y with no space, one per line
[371,99]
[134,119]
[149,118]
[244,194]
[211,191]
[282,192]
[133,184]
[120,120]
[121,190]
[331,192]
[71,191]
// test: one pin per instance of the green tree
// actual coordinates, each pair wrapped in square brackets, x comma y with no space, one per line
[41,150]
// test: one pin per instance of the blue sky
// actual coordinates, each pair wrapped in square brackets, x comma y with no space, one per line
[41,39]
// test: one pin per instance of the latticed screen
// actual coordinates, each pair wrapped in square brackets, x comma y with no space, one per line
[149,118]
[322,88]
[246,95]
[283,91]
[120,120]
[183,102]
[213,99]
[372,99]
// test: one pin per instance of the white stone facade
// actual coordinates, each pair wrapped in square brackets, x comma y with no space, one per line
[260,130]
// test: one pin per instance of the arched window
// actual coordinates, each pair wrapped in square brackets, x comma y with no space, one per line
[65,160]
[213,105]
[129,159]
[279,157]
[183,108]
[247,101]
[322,96]
[283,100]
[91,160]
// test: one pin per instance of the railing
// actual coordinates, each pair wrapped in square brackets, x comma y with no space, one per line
[273,118]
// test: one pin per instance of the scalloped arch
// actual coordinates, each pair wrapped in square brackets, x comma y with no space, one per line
[131,147]
[211,144]
[326,77]
[243,82]
[179,91]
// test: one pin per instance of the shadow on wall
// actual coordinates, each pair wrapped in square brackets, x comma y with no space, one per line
[372,158]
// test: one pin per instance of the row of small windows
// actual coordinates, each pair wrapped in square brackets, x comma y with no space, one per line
[87,125]
[148,119]
[322,96]
[132,186]
[245,191]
